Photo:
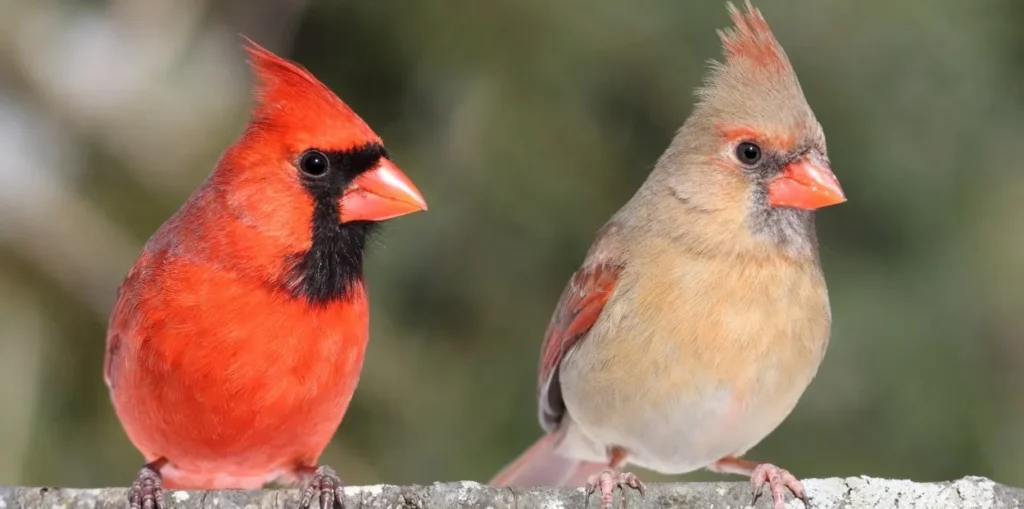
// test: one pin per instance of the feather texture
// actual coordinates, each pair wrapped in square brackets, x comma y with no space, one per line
[700,314]
[238,336]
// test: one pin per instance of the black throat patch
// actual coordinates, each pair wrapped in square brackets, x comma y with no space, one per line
[789,228]
[333,264]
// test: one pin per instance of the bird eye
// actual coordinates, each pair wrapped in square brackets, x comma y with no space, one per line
[748,153]
[314,163]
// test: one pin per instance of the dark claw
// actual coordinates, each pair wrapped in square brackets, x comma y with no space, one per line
[147,492]
[608,480]
[778,481]
[326,483]
[631,480]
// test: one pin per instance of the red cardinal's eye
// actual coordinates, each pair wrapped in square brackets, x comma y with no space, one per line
[314,163]
[748,153]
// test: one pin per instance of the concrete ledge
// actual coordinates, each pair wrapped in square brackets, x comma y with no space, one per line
[834,493]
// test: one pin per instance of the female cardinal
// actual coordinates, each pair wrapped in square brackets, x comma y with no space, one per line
[700,313]
[237,338]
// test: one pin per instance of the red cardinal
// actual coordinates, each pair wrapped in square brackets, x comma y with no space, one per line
[237,338]
[700,313]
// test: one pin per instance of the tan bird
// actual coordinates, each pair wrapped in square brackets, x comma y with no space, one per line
[700,314]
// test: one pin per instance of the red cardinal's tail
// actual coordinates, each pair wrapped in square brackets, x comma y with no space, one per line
[541,465]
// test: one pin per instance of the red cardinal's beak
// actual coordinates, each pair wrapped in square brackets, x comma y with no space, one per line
[807,183]
[379,194]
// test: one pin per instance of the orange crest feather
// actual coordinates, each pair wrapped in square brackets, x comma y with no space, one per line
[751,40]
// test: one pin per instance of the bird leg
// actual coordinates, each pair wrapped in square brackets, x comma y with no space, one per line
[610,478]
[147,492]
[325,483]
[778,479]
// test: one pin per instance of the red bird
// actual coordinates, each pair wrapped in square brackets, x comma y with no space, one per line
[238,336]
[700,313]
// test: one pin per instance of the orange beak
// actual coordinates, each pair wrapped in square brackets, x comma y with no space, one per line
[807,183]
[380,194]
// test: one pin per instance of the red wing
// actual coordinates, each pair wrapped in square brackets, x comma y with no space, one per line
[577,311]
[113,351]
[117,324]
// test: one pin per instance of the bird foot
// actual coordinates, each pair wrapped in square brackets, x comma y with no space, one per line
[607,480]
[147,492]
[778,480]
[326,483]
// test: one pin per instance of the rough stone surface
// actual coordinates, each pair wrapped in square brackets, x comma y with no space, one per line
[834,493]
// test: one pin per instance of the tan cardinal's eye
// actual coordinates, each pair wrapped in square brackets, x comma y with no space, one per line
[748,153]
[314,163]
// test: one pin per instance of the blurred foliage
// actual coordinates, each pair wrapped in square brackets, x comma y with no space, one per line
[526,124]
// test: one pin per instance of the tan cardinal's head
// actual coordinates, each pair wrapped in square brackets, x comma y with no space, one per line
[752,152]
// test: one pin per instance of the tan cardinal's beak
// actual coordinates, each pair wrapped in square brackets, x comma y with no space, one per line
[807,183]
[379,194]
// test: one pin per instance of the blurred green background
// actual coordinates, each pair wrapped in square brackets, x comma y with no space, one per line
[526,124]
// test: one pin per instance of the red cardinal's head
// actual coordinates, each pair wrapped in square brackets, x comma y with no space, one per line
[752,149]
[311,176]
